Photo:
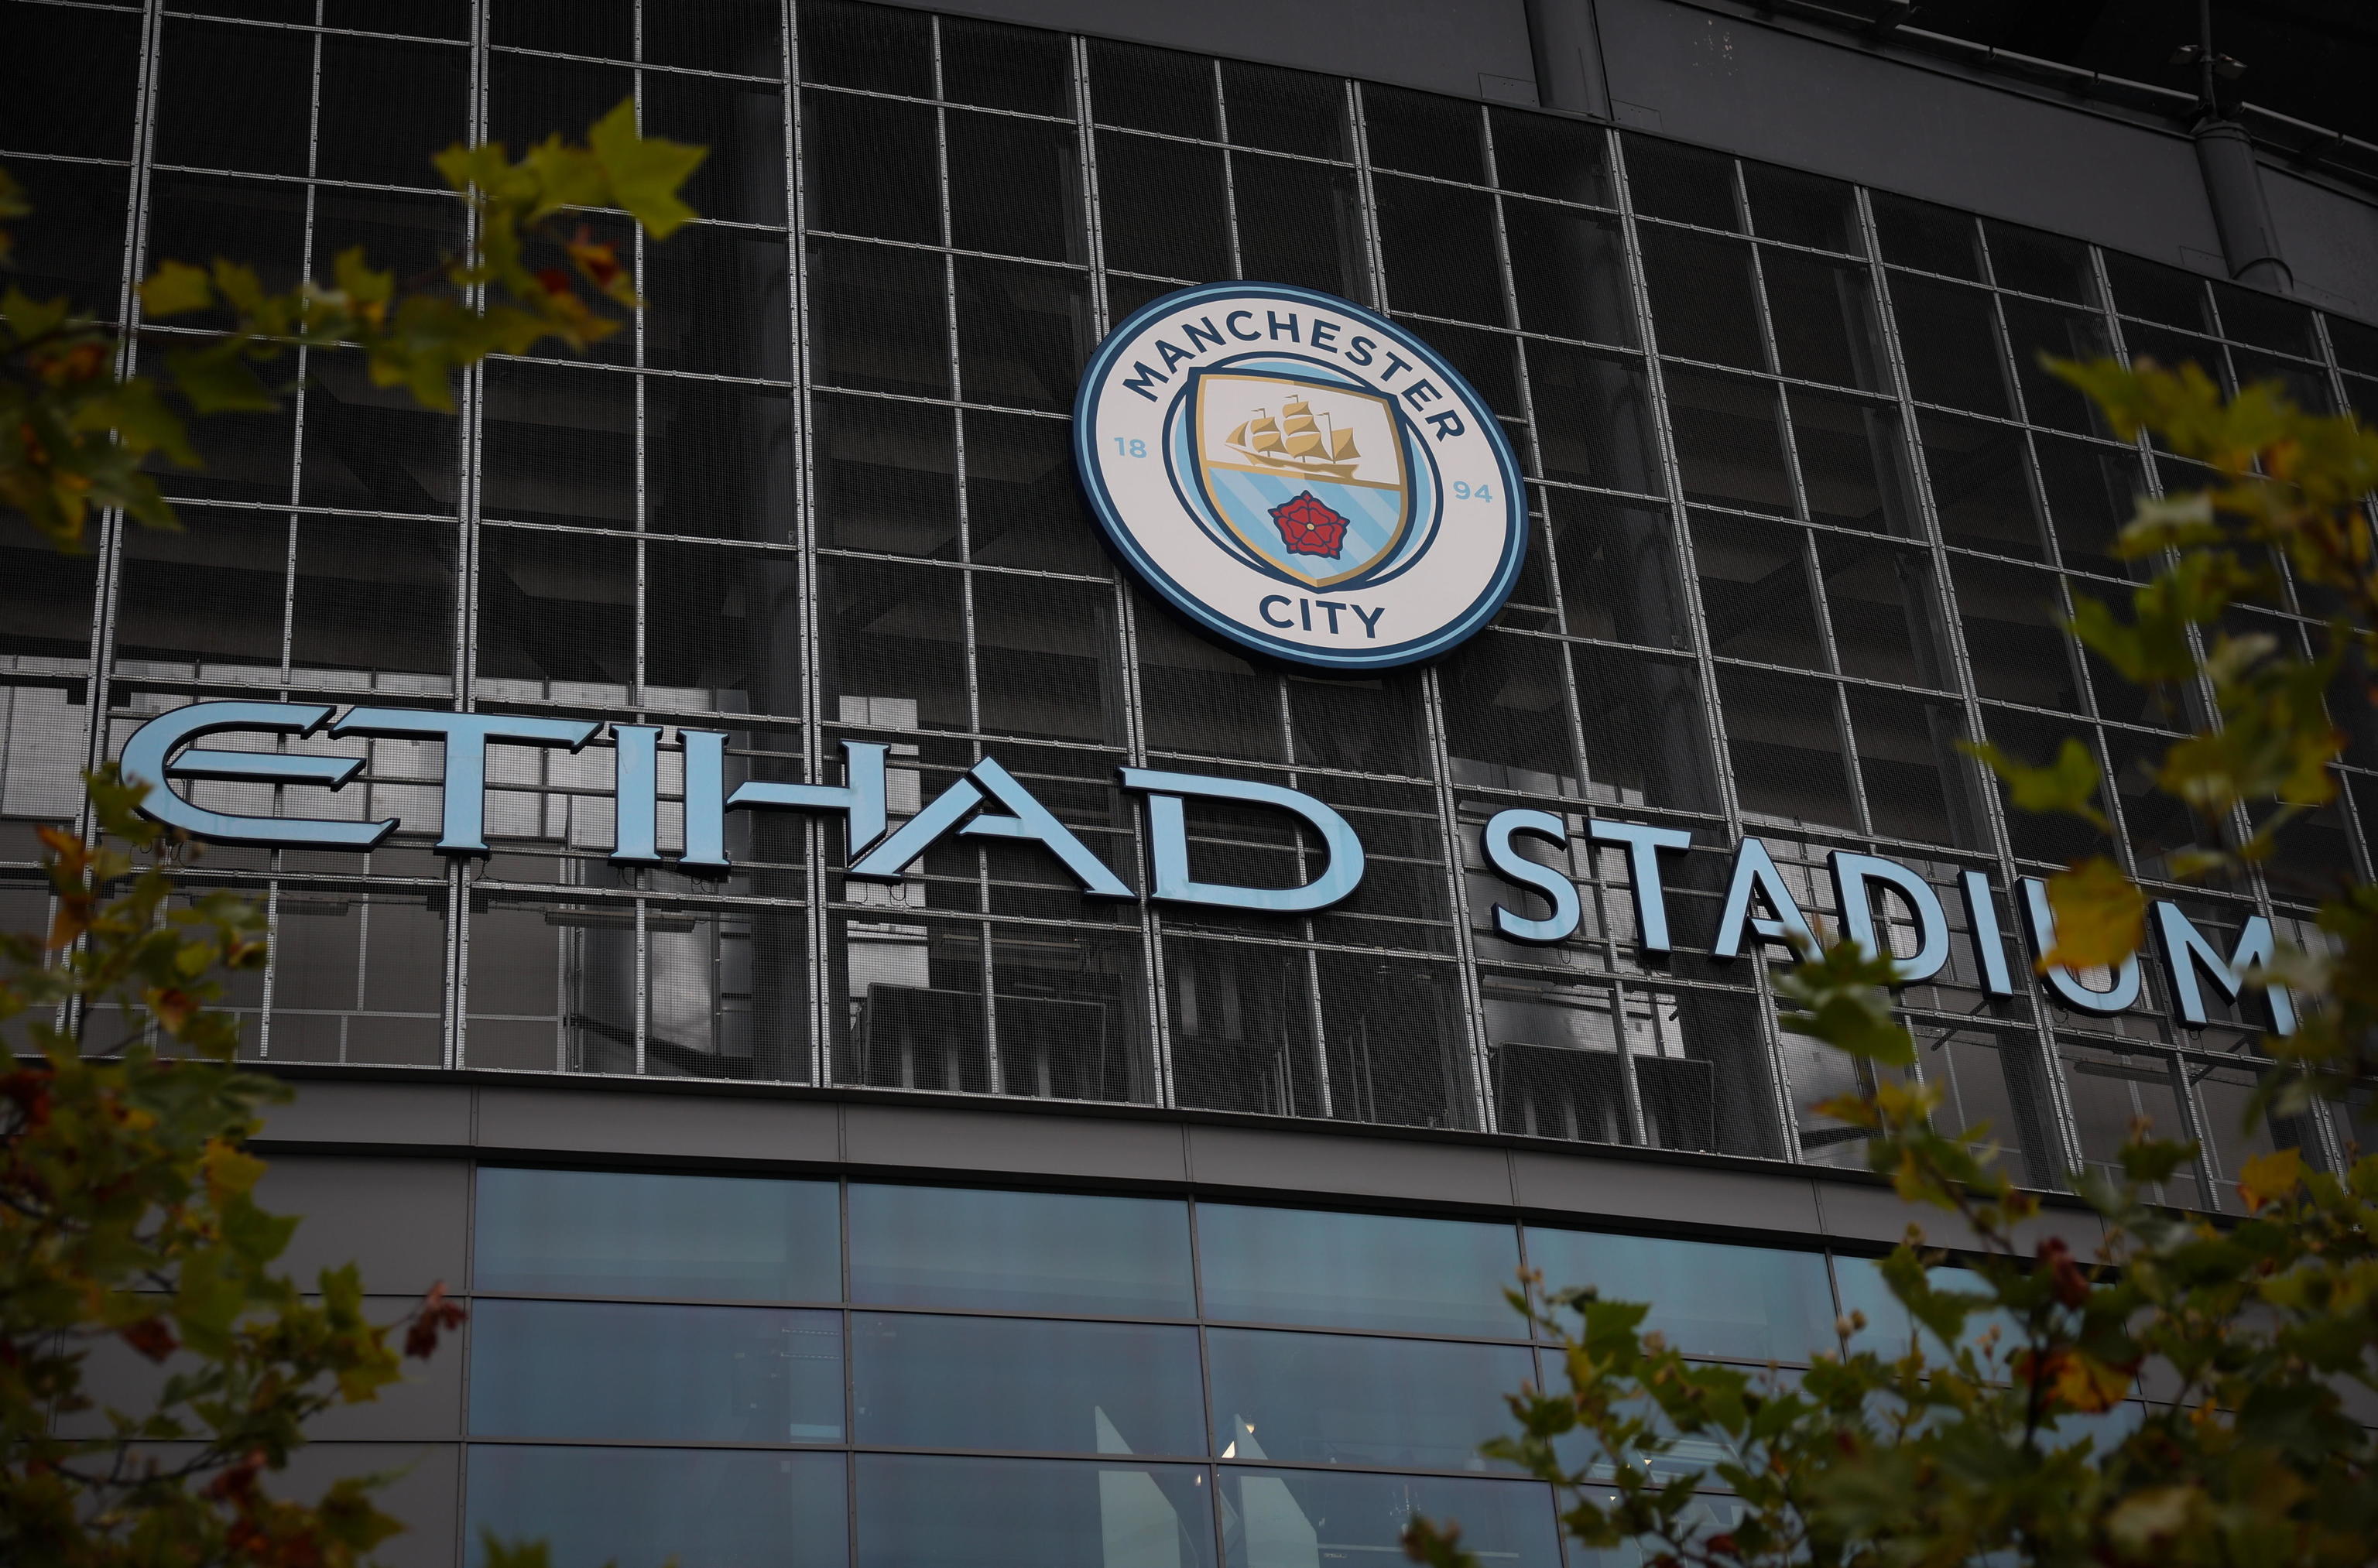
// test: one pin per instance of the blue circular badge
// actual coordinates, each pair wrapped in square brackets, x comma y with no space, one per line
[1301,475]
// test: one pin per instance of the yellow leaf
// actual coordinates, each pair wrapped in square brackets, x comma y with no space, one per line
[229,1172]
[2101,917]
[2090,1385]
[2266,1179]
[2144,1518]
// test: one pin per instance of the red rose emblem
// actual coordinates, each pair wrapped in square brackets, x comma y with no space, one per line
[1308,527]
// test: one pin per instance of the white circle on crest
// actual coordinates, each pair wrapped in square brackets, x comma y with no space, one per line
[1300,475]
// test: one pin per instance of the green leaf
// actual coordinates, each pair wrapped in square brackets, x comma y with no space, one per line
[645,172]
[1841,991]
[2068,784]
[176,289]
[216,380]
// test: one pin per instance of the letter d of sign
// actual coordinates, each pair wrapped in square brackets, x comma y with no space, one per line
[149,758]
[1852,875]
[1168,843]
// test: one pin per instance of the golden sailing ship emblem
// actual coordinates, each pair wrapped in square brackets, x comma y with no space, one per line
[1297,442]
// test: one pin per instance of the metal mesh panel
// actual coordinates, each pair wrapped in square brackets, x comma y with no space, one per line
[853,473]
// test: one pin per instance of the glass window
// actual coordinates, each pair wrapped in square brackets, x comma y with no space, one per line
[1668,180]
[1014,187]
[714,1508]
[1152,90]
[1593,418]
[1879,600]
[1439,242]
[1981,486]
[1286,111]
[1755,592]
[613,1233]
[1341,1400]
[655,1373]
[1702,301]
[2040,329]
[1304,1518]
[1823,316]
[1299,223]
[1951,345]
[1423,133]
[1916,233]
[1888,1322]
[1005,68]
[1161,207]
[2039,263]
[1748,1303]
[927,1382]
[1851,462]
[2010,617]
[1569,272]
[1803,208]
[1729,441]
[1545,156]
[873,47]
[1019,1251]
[1357,1271]
[870,167]
[1907,757]
[920,1512]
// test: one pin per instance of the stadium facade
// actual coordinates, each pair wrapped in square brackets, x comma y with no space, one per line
[919,1043]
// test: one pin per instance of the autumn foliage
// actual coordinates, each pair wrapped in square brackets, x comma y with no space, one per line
[128,1224]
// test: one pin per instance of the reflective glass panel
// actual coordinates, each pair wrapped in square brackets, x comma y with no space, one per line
[613,1233]
[1019,1251]
[1749,1303]
[714,1508]
[916,1512]
[663,1374]
[1342,1399]
[1357,1271]
[924,1382]
[1887,1325]
[1304,1518]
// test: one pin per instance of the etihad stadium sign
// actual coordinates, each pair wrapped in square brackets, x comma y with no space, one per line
[1540,905]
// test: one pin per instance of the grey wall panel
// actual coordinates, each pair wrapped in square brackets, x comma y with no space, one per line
[1838,110]
[405,1221]
[414,1115]
[674,1127]
[1324,1166]
[426,1493]
[2330,243]
[426,1406]
[1001,1142]
[1876,1215]
[1626,1192]
[1475,48]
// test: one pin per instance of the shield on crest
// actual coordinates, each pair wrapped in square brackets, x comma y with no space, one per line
[1307,475]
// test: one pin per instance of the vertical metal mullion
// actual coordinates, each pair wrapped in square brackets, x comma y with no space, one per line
[820,924]
[109,546]
[1998,842]
[981,924]
[1688,578]
[1163,1090]
[1229,175]
[454,1025]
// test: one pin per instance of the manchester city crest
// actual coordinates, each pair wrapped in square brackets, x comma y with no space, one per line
[1301,475]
